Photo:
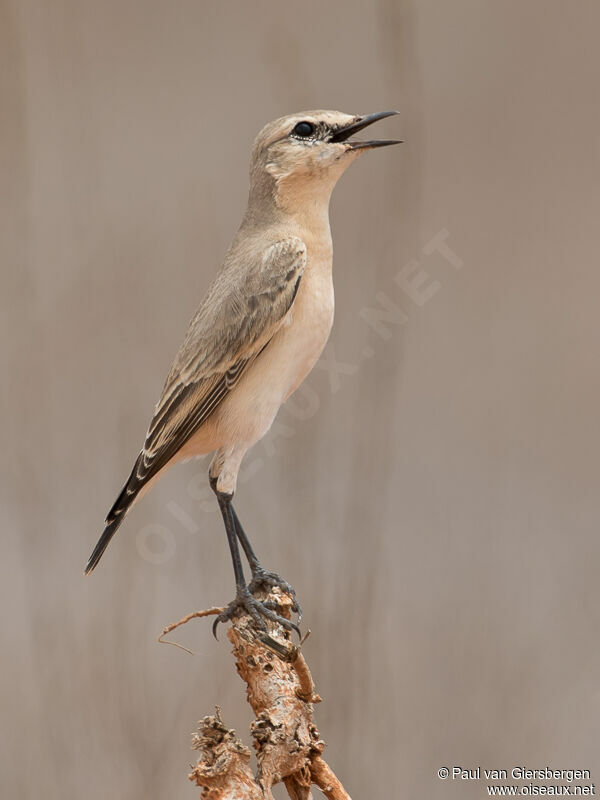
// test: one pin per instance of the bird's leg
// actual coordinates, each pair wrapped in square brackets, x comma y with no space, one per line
[261,578]
[244,602]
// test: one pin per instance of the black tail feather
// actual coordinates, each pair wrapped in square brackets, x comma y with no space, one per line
[103,541]
[115,517]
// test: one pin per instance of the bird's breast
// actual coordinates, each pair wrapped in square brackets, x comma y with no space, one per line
[308,326]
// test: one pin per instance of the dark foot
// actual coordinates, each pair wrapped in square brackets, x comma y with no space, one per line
[263,580]
[245,603]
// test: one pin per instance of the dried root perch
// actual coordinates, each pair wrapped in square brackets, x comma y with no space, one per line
[281,693]
[223,768]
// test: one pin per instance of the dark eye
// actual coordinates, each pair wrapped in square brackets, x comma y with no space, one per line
[304,129]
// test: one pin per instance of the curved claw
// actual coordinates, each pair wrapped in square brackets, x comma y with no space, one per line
[277,607]
[246,603]
[291,626]
[296,608]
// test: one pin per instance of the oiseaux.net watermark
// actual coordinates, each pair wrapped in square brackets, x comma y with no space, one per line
[156,543]
[523,781]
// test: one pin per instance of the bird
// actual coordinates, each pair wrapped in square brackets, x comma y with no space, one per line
[256,335]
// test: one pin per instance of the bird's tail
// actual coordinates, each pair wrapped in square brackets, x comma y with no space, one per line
[114,519]
[109,532]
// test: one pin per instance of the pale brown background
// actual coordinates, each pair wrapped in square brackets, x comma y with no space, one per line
[438,515]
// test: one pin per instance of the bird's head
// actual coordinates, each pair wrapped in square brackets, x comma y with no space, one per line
[300,157]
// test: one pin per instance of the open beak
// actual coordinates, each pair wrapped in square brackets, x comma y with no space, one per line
[344,134]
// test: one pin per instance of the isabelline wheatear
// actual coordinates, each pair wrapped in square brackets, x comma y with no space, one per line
[258,332]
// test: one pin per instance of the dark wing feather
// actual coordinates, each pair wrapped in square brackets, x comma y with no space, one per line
[236,321]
